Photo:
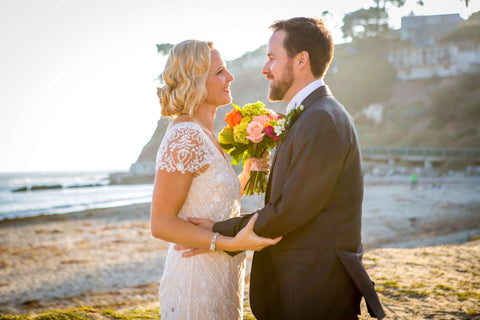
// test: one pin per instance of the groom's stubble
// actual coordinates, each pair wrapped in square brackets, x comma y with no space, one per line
[279,89]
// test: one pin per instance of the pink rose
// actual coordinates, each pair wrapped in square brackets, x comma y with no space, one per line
[273,115]
[255,131]
[263,119]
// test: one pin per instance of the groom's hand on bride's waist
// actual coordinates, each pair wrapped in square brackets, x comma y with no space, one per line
[190,252]
[202,223]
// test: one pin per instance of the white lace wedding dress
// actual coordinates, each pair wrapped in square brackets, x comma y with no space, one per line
[210,285]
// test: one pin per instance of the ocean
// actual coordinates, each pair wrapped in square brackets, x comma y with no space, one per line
[44,193]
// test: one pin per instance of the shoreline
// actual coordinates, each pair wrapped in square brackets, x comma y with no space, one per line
[74,215]
[108,258]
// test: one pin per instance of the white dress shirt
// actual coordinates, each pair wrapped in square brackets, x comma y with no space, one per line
[302,94]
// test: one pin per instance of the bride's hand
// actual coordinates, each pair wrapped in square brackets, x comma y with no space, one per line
[246,239]
[258,164]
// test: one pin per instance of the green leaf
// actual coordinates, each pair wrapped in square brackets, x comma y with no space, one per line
[237,158]
[238,150]
[226,147]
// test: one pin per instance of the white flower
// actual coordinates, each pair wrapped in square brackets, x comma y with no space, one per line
[295,108]
[280,127]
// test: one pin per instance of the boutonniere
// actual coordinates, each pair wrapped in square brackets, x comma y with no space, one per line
[286,121]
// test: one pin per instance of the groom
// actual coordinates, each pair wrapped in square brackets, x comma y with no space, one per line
[314,193]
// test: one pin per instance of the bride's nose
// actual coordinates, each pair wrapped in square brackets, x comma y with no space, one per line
[230,77]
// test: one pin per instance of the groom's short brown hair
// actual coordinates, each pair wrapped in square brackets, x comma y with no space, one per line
[310,35]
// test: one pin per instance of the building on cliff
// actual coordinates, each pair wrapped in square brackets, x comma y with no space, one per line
[427,57]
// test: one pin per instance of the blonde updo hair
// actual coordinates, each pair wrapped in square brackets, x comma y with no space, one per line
[185,77]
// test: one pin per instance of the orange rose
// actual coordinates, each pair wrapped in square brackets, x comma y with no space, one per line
[255,132]
[233,118]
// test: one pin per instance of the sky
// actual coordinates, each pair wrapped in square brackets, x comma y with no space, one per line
[77,78]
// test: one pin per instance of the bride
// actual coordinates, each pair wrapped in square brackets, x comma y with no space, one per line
[194,178]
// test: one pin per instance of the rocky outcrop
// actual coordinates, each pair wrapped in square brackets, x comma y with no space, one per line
[145,164]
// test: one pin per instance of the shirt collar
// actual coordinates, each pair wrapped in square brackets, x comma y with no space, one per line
[302,94]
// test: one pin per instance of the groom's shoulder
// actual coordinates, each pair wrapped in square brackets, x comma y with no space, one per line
[324,106]
[324,110]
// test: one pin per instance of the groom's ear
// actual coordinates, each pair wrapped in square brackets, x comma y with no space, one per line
[302,60]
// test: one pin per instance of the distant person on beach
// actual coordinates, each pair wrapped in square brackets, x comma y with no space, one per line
[413,180]
[314,194]
[195,179]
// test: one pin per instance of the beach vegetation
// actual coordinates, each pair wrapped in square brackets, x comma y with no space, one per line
[418,285]
[12,317]
[368,257]
[473,312]
[390,284]
[87,313]
[132,314]
[414,293]
[443,287]
[462,296]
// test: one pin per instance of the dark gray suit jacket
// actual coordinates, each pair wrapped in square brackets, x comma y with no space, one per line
[314,200]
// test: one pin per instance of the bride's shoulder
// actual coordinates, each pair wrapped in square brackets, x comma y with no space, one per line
[185,131]
[182,126]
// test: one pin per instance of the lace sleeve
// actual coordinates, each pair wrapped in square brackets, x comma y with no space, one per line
[183,149]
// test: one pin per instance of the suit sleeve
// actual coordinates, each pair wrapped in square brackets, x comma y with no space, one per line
[317,155]
[231,227]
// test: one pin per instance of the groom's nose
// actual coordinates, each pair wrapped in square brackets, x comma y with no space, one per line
[266,68]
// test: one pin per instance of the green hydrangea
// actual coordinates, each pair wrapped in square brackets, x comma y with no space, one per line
[240,131]
[226,136]
[253,109]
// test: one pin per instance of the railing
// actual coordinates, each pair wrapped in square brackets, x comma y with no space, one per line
[420,154]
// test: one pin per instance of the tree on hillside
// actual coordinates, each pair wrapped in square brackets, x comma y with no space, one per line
[369,23]
[421,2]
[164,48]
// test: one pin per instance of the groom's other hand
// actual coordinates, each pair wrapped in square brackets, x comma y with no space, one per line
[190,252]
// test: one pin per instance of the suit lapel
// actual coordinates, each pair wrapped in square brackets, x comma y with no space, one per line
[316,94]
[308,101]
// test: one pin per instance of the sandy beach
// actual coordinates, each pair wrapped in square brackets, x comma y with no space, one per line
[422,253]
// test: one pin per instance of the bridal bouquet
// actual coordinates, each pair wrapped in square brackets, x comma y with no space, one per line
[252,130]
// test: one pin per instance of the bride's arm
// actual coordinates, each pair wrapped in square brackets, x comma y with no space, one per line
[243,178]
[169,193]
